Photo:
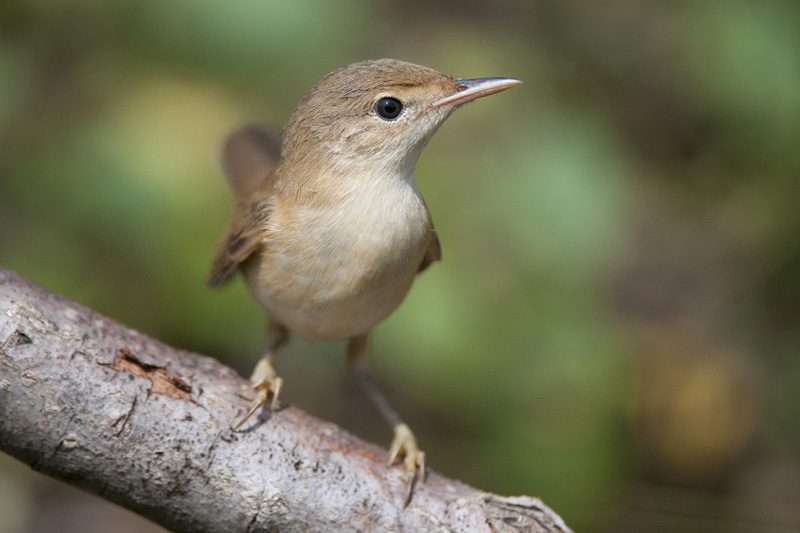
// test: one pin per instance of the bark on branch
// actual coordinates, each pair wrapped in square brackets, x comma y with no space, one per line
[88,401]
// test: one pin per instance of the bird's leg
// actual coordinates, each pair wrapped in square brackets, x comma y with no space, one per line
[265,380]
[404,444]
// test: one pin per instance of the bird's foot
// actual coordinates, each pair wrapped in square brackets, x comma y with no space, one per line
[405,446]
[265,381]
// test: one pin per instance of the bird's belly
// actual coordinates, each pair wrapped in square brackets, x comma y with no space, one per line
[334,270]
[334,275]
[323,301]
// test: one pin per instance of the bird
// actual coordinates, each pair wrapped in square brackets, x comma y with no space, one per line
[329,229]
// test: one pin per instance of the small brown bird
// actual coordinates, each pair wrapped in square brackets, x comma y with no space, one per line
[329,228]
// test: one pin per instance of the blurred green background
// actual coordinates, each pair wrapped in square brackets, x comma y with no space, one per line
[614,327]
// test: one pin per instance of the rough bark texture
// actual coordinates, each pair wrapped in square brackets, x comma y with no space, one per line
[91,402]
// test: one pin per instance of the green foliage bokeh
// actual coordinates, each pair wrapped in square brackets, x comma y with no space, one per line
[653,134]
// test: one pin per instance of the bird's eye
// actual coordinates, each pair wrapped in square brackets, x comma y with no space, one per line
[389,108]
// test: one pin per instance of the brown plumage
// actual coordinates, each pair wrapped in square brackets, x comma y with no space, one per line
[249,159]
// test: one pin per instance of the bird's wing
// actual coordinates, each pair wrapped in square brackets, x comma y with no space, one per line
[249,158]
[433,253]
[243,237]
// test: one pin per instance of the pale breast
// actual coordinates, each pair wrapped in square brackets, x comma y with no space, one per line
[336,271]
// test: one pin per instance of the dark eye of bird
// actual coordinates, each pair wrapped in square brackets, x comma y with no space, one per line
[389,108]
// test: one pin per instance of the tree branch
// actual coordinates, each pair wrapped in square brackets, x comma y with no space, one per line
[88,401]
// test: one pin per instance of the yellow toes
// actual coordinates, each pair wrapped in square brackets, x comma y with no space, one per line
[265,382]
[405,446]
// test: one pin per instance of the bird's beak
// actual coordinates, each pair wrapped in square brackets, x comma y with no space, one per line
[469,90]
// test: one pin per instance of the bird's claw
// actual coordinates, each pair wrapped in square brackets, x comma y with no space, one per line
[405,446]
[265,381]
